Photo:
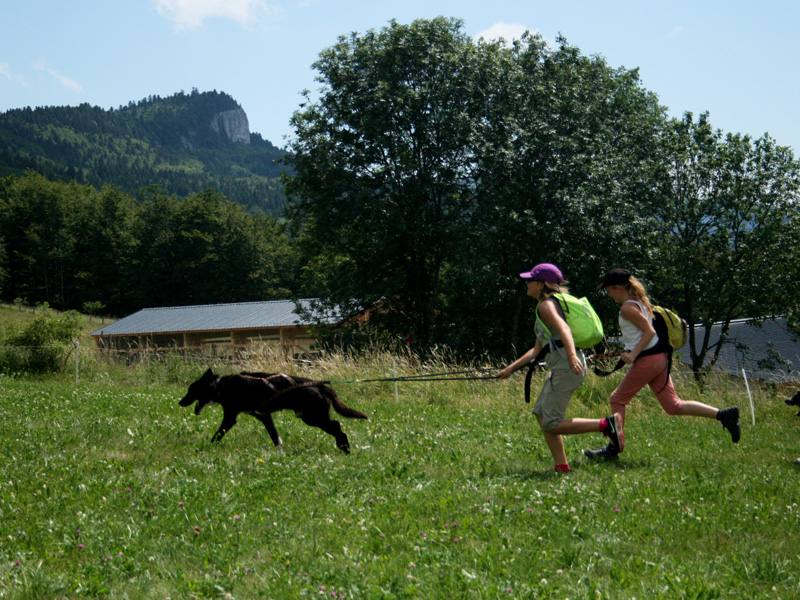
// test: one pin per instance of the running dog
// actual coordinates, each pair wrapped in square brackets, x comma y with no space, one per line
[261,394]
[794,401]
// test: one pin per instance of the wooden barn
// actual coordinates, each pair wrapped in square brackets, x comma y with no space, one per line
[215,327]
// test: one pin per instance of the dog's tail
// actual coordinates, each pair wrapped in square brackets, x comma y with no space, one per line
[339,406]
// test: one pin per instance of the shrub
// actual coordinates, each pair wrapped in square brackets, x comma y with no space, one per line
[41,346]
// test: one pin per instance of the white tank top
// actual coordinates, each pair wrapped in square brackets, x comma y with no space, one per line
[631,334]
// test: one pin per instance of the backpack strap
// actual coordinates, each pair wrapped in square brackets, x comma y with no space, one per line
[531,369]
[552,342]
[601,373]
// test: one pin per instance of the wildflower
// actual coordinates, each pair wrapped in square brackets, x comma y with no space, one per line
[81,546]
[616,509]
[237,517]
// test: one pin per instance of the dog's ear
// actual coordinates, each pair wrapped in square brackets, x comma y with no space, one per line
[209,374]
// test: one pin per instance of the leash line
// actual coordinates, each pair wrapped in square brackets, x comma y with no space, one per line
[467,375]
[427,376]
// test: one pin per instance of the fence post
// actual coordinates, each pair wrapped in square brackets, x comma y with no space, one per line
[394,374]
[749,397]
[77,343]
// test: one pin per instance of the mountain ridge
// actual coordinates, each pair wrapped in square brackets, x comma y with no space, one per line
[184,143]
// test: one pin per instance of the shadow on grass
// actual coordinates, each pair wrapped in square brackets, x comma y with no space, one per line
[544,473]
[622,464]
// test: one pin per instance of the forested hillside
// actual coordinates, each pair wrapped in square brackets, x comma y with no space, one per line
[101,251]
[185,143]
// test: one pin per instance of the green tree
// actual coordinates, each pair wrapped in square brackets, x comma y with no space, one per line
[728,230]
[32,216]
[99,229]
[206,249]
[567,148]
[384,165]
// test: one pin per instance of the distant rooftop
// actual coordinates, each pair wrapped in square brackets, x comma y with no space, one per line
[212,317]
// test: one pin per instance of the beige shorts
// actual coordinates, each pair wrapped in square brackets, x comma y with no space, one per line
[557,390]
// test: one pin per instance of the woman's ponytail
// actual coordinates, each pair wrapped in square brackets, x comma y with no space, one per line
[637,290]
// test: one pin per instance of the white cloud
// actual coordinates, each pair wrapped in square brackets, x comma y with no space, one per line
[506,31]
[190,14]
[5,71]
[65,81]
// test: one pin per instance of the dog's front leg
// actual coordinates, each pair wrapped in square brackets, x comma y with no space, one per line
[270,427]
[228,421]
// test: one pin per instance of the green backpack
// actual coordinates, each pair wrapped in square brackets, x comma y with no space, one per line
[676,328]
[585,325]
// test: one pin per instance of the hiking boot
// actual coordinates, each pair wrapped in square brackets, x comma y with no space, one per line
[729,417]
[613,431]
[608,452]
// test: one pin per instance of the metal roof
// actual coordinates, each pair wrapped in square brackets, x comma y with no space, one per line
[212,317]
[768,351]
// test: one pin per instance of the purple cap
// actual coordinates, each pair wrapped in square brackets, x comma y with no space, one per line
[544,272]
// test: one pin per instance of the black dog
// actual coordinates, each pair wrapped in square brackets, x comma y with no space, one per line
[794,401]
[261,394]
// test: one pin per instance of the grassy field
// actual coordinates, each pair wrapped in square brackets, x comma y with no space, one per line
[112,490]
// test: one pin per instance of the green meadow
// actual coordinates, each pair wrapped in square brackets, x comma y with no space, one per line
[109,489]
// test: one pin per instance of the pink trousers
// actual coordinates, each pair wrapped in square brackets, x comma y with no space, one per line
[647,370]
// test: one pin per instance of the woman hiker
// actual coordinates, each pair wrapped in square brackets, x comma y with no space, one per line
[567,366]
[649,361]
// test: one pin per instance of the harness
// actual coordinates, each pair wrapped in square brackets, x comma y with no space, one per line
[293,385]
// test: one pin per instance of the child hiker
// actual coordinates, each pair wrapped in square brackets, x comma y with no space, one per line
[649,361]
[567,366]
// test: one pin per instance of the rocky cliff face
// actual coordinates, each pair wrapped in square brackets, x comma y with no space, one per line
[233,125]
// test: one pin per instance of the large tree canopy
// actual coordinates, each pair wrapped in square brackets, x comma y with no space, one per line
[384,162]
[431,168]
[564,164]
[727,218]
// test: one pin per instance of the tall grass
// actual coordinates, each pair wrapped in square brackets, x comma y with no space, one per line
[110,489]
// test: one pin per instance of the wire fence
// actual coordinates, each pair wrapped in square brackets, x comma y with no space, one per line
[78,359]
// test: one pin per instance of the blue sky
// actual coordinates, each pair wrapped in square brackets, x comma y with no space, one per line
[736,59]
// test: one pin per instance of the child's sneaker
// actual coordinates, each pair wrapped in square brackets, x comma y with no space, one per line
[614,432]
[608,452]
[729,417]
